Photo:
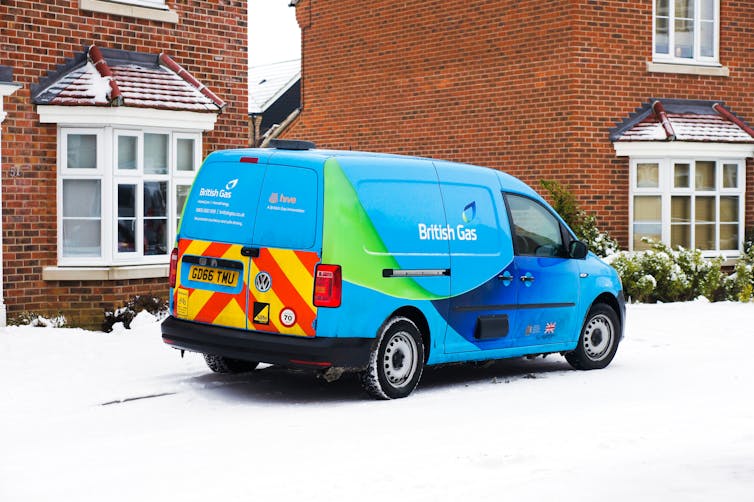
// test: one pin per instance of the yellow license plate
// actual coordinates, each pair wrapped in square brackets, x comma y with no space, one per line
[210,275]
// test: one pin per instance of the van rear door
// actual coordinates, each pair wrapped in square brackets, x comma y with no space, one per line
[248,247]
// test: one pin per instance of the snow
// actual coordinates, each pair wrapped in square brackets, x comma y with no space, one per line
[90,416]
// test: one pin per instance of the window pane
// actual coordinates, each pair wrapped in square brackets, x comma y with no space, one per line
[126,201]
[649,231]
[82,151]
[705,210]
[537,232]
[681,174]
[729,209]
[126,235]
[680,235]
[647,209]
[684,39]
[81,237]
[730,176]
[155,153]
[185,154]
[181,194]
[680,211]
[705,236]
[705,175]
[729,236]
[647,175]
[707,34]
[707,10]
[81,198]
[684,8]
[155,237]
[127,152]
[155,198]
[662,7]
[661,36]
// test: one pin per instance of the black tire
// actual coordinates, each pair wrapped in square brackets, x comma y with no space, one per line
[598,341]
[220,364]
[397,362]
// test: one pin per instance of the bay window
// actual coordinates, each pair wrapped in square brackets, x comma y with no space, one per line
[693,203]
[121,193]
[686,31]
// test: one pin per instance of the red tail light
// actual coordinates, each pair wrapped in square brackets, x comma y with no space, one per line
[328,286]
[173,266]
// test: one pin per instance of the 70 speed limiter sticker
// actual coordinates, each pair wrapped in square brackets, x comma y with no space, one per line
[287,317]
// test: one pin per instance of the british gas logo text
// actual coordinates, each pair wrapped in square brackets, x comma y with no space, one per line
[214,192]
[436,232]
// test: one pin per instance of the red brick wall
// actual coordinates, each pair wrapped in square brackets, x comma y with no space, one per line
[209,41]
[529,87]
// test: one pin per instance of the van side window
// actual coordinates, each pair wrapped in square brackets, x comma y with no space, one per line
[536,232]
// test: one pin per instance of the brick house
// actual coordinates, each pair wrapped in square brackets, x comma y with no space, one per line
[109,108]
[639,107]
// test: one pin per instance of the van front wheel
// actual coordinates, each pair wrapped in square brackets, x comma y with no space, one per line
[397,362]
[598,341]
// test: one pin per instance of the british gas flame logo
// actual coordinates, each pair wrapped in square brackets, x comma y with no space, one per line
[231,184]
[469,212]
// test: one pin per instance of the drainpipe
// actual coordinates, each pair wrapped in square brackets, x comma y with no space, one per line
[6,89]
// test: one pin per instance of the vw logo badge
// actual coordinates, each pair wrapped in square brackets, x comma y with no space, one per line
[263,282]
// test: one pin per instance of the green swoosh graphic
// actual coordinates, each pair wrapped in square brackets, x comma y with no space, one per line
[345,216]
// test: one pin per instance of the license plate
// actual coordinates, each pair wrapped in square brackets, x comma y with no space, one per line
[210,275]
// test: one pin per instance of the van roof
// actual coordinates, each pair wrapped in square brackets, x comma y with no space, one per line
[315,158]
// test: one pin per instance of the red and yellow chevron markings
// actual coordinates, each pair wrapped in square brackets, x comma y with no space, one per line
[292,275]
[289,300]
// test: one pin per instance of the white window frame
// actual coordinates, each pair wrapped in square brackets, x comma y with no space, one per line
[666,191]
[110,177]
[697,59]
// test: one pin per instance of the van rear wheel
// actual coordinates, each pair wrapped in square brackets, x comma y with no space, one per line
[397,362]
[598,341]
[220,364]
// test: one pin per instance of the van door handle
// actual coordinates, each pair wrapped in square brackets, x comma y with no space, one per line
[527,279]
[250,251]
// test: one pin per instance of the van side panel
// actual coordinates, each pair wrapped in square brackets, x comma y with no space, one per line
[372,212]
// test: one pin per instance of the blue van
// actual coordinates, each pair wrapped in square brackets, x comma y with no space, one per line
[379,264]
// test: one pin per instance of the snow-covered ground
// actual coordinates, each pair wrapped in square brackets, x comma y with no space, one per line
[89,416]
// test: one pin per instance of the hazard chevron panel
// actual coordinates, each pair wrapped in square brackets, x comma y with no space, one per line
[280,295]
[271,293]
[197,297]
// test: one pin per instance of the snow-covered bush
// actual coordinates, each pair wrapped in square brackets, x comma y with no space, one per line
[661,274]
[583,224]
[126,313]
[38,321]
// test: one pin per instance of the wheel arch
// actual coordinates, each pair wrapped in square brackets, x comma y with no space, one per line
[611,301]
[418,318]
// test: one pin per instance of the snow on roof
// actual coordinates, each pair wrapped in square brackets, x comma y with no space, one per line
[118,78]
[268,82]
[683,120]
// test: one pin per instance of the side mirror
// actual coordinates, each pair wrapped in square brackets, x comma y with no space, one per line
[577,250]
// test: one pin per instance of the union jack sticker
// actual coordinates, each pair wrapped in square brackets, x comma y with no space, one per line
[549,328]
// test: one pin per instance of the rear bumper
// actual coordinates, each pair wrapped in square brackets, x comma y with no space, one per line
[324,352]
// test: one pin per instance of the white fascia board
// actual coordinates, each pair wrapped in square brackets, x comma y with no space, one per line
[281,91]
[8,89]
[682,149]
[125,116]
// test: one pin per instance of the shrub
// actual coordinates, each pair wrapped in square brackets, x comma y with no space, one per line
[126,313]
[662,274]
[584,225]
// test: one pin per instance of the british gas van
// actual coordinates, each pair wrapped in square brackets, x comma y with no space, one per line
[379,264]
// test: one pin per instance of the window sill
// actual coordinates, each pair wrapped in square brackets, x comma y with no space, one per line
[104,273]
[688,69]
[119,9]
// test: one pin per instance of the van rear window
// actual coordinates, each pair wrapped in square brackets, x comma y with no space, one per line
[223,202]
[252,204]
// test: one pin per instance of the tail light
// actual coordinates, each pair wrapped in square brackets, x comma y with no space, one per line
[173,267]
[328,286]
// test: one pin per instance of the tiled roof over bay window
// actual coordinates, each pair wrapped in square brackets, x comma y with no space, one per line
[110,77]
[683,120]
